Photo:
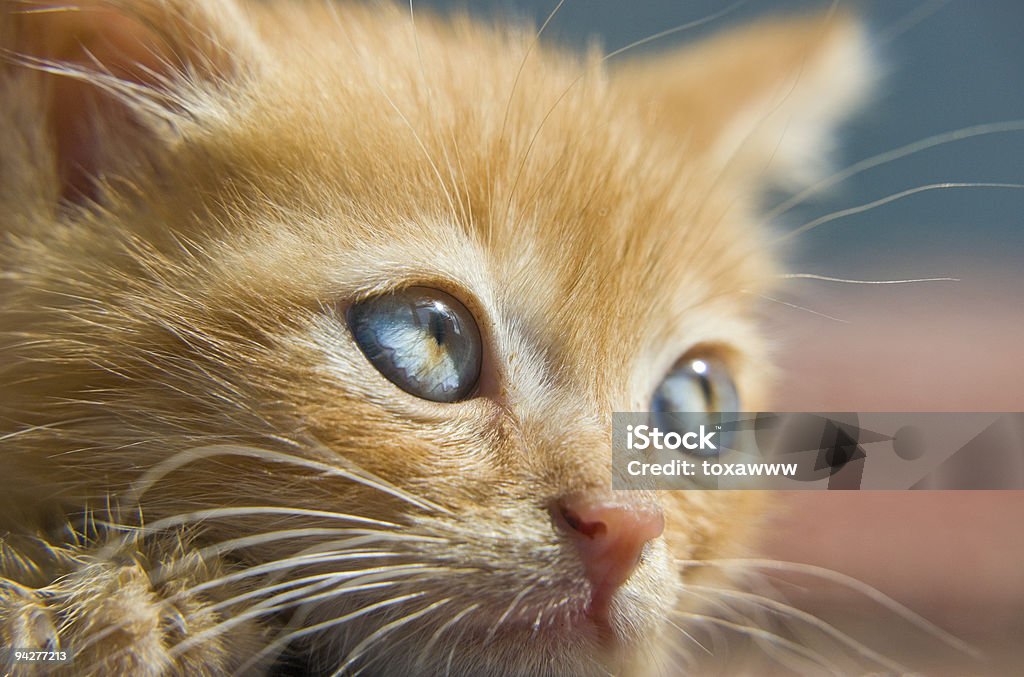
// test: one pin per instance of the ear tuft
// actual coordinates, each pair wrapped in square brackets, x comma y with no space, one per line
[761,102]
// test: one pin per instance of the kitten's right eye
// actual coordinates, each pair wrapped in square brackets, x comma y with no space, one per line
[422,340]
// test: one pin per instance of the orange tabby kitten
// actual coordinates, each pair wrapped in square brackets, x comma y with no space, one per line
[314,318]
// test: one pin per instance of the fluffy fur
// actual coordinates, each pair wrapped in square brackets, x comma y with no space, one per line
[192,193]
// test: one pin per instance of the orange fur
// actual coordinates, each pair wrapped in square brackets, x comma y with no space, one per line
[179,250]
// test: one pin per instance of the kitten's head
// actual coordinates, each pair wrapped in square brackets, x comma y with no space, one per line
[400,273]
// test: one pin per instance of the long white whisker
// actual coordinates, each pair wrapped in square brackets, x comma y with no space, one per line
[383,631]
[278,644]
[311,582]
[810,619]
[242,511]
[871,593]
[263,610]
[677,29]
[187,456]
[291,587]
[842,213]
[689,636]
[755,632]
[451,652]
[826,278]
[375,535]
[286,563]
[799,307]
[351,582]
[895,154]
[508,612]
[444,628]
[365,579]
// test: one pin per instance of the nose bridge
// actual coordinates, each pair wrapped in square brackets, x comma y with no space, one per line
[574,459]
[565,455]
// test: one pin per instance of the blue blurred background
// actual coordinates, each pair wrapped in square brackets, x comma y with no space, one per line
[949,64]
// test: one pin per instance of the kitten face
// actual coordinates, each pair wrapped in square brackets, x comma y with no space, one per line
[183,318]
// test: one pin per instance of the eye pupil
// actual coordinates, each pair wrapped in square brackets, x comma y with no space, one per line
[437,322]
[693,389]
[706,389]
[422,340]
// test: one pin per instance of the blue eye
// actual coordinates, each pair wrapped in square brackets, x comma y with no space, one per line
[694,389]
[422,340]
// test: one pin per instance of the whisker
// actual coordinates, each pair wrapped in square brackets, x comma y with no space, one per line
[845,580]
[451,652]
[281,642]
[241,511]
[361,581]
[225,625]
[689,636]
[771,649]
[309,583]
[285,563]
[677,29]
[522,65]
[798,307]
[232,544]
[257,611]
[508,611]
[444,628]
[136,97]
[842,213]
[810,619]
[187,456]
[299,587]
[771,637]
[47,426]
[59,9]
[826,278]
[895,154]
[383,631]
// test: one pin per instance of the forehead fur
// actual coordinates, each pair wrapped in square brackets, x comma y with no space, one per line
[527,178]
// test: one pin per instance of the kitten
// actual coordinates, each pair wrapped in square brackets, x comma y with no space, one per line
[314,318]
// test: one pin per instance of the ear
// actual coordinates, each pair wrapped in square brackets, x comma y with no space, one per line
[109,80]
[760,102]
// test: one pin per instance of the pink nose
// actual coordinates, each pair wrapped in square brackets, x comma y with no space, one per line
[610,537]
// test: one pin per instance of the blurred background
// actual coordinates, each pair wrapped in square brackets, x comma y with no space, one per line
[957,558]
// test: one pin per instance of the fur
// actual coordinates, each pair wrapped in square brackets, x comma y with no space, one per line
[191,195]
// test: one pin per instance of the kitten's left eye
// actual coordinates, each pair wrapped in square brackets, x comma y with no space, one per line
[694,387]
[422,340]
